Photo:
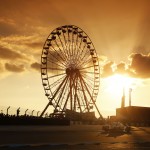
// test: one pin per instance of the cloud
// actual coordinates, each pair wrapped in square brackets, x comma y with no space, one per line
[121,68]
[140,65]
[107,69]
[8,27]
[36,66]
[35,44]
[14,68]
[6,53]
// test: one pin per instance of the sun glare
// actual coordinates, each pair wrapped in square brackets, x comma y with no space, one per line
[117,83]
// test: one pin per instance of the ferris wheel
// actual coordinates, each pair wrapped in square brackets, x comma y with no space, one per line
[70,71]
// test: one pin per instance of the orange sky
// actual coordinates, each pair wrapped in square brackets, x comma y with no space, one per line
[118,29]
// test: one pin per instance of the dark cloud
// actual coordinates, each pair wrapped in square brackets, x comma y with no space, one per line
[140,65]
[35,44]
[107,69]
[36,66]
[141,49]
[8,27]
[14,68]
[6,53]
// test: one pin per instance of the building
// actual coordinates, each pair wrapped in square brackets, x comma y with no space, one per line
[133,114]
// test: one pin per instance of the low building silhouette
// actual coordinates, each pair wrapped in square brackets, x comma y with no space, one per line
[133,115]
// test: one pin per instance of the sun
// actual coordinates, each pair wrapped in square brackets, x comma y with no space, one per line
[117,83]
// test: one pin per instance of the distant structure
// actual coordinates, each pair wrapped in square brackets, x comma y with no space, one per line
[130,91]
[123,99]
[18,111]
[135,115]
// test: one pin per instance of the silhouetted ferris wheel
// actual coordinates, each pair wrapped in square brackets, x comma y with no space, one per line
[70,71]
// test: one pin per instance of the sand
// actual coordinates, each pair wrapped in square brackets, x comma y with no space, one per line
[84,137]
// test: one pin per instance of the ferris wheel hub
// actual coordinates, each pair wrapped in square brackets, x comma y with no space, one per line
[72,71]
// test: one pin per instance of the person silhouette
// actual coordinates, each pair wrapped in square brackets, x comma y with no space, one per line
[18,111]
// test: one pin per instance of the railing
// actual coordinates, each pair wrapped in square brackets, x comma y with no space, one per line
[14,111]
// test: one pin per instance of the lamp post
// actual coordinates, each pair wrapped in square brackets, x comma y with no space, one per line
[32,112]
[26,112]
[8,109]
[38,113]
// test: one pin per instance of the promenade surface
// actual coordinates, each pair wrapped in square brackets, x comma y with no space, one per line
[74,137]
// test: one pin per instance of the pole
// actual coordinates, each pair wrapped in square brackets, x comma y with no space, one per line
[8,109]
[38,113]
[32,112]
[130,90]
[26,111]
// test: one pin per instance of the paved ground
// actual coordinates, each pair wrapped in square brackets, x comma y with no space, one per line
[84,137]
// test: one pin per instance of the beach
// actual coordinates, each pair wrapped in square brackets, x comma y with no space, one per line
[71,137]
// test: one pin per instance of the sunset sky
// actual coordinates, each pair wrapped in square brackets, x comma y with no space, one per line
[119,30]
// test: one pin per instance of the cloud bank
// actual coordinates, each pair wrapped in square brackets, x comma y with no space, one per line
[139,67]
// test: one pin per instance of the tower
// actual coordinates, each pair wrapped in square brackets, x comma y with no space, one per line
[123,99]
[130,91]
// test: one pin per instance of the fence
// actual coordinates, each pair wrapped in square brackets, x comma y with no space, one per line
[10,110]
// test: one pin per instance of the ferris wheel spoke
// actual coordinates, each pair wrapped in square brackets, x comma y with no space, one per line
[88,72]
[83,102]
[82,51]
[58,87]
[88,78]
[62,54]
[64,107]
[89,85]
[85,62]
[80,57]
[54,62]
[61,93]
[54,84]
[83,91]
[73,46]
[78,100]
[78,44]
[82,46]
[65,42]
[82,68]
[64,47]
[69,43]
[82,99]
[61,58]
[76,47]
[57,60]
[56,53]
[71,40]
[86,55]
[64,95]
[79,49]
[56,75]
[75,43]
[75,95]
[55,69]
[74,89]
[92,99]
